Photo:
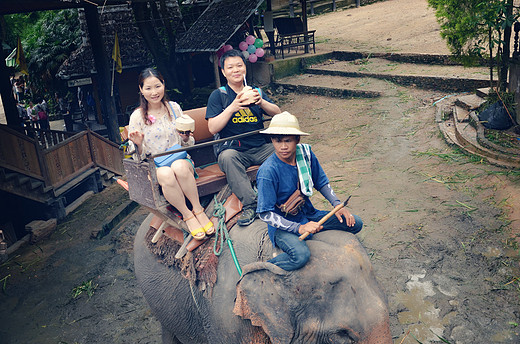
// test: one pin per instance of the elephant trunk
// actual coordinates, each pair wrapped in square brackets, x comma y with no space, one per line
[380,334]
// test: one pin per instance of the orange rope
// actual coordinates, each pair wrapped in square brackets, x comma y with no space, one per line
[505,107]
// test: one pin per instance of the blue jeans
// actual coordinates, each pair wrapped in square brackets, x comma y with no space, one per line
[296,253]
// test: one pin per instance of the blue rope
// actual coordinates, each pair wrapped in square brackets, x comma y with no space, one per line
[221,229]
[221,232]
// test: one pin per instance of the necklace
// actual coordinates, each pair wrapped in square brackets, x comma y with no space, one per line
[157,113]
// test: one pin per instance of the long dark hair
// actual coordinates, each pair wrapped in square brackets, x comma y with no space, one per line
[143,103]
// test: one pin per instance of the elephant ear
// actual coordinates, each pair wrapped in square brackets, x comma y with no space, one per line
[260,298]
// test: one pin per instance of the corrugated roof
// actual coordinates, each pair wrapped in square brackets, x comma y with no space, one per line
[217,24]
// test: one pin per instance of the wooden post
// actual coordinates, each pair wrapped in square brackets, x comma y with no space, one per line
[215,70]
[269,27]
[305,26]
[291,9]
[108,107]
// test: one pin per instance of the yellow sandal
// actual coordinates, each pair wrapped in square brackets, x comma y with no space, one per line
[209,229]
[195,231]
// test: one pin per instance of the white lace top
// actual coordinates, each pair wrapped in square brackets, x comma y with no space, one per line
[160,135]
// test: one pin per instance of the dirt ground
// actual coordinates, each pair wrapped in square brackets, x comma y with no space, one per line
[441,227]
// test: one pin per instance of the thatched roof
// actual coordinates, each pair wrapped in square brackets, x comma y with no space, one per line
[134,52]
[217,24]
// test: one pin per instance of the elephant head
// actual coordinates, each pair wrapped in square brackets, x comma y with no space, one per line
[335,298]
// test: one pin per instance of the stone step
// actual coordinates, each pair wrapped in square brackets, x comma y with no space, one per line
[446,77]
[461,115]
[388,67]
[483,92]
[334,86]
[467,137]
[506,152]
[469,102]
[472,139]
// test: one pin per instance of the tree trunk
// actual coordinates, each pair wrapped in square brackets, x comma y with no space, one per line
[504,62]
[490,33]
[108,107]
[152,40]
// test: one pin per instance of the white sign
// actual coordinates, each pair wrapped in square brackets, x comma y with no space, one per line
[79,82]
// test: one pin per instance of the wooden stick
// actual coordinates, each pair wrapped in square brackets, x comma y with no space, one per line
[326,217]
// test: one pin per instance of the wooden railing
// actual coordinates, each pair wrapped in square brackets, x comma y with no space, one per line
[48,138]
[61,162]
[105,153]
[20,153]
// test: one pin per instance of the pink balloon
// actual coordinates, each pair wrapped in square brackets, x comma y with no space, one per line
[243,45]
[228,47]
[259,52]
[250,39]
[253,58]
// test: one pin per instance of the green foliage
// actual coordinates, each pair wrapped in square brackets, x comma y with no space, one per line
[474,29]
[507,98]
[86,287]
[47,38]
[465,24]
[459,24]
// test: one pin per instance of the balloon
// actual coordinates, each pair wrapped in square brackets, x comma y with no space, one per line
[251,49]
[253,58]
[246,54]
[250,39]
[258,43]
[220,52]
[243,45]
[228,47]
[259,52]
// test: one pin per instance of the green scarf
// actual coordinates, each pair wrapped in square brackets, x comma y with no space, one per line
[303,163]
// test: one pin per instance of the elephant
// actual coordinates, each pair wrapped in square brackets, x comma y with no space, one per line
[334,298]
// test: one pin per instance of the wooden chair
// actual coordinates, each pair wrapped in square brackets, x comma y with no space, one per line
[290,34]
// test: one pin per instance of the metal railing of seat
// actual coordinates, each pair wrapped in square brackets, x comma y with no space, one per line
[69,155]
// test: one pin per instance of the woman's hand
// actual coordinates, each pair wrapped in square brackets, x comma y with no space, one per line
[137,138]
[185,135]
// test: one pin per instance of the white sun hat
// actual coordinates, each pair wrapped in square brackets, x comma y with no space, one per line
[284,124]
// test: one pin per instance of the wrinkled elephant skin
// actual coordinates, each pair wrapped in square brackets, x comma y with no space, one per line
[335,298]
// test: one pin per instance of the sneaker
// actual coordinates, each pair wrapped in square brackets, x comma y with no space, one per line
[247,217]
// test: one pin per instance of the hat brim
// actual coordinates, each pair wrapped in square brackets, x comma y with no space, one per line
[283,131]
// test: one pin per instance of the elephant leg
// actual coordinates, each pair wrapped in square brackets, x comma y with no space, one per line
[168,337]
